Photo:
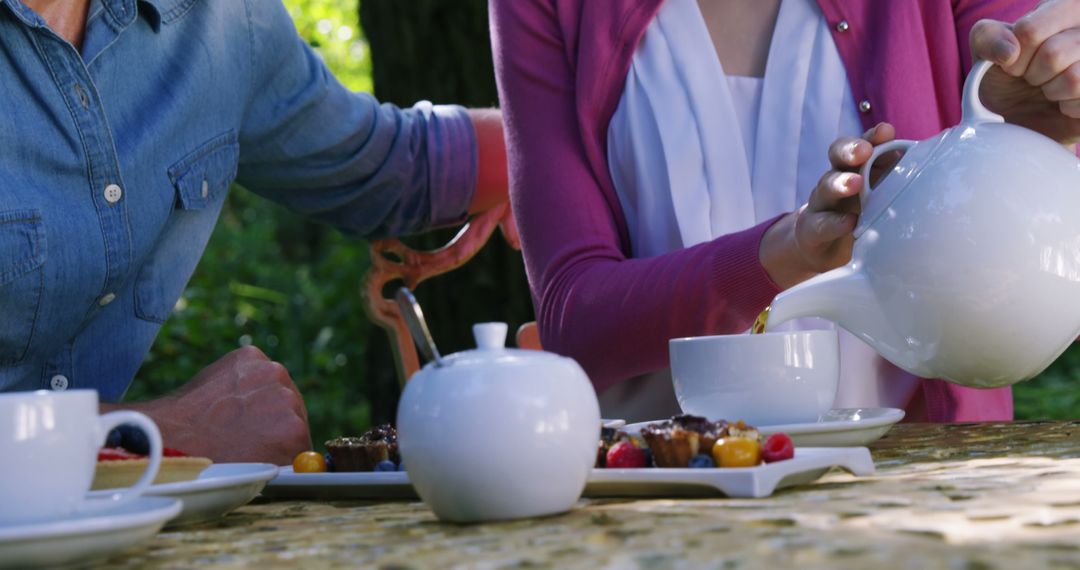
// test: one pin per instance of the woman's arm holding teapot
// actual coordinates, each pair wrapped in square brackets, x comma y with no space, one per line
[1036,83]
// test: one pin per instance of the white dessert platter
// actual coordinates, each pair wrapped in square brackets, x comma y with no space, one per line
[389,485]
[808,465]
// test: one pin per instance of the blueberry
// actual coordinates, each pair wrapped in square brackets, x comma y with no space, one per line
[114,439]
[702,461]
[329,462]
[385,465]
[134,440]
[648,458]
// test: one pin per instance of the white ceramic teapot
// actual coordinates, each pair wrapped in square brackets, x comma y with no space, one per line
[966,264]
[497,433]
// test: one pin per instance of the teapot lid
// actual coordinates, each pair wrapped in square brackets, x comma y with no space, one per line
[491,350]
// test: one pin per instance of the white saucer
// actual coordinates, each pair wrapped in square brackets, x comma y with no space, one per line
[218,490]
[842,427]
[84,537]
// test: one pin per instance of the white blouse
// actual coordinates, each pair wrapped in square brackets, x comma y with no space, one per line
[696,154]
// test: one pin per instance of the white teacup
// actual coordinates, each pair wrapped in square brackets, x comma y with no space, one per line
[764,379]
[49,443]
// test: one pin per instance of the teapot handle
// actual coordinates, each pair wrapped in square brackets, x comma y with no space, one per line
[902,144]
[973,111]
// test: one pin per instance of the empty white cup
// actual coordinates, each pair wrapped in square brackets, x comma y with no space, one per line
[764,379]
[49,443]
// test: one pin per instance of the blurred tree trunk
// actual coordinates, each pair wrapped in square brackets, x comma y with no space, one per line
[439,50]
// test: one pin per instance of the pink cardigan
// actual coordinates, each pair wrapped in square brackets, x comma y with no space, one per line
[561,66]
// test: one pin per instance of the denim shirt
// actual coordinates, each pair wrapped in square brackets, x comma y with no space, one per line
[114,164]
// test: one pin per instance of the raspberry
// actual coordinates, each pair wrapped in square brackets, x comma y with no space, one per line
[778,448]
[625,455]
[116,454]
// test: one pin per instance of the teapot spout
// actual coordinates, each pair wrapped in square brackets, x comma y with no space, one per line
[826,296]
[843,296]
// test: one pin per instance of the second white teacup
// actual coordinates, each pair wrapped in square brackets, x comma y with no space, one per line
[49,442]
[764,379]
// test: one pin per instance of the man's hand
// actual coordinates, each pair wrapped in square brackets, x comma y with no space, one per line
[244,407]
[1036,82]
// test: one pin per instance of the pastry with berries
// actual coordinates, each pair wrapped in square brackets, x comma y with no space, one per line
[676,441]
[366,452]
[124,459]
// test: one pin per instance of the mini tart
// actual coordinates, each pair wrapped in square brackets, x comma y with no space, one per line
[119,468]
[364,452]
[674,442]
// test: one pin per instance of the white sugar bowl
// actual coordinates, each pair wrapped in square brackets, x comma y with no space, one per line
[497,433]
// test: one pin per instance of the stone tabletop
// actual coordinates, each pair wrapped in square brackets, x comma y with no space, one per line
[960,496]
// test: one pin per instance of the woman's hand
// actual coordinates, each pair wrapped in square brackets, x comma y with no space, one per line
[1036,82]
[819,237]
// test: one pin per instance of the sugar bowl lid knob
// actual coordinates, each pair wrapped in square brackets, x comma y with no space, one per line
[490,336]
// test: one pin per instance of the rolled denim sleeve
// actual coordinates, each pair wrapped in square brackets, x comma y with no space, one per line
[340,157]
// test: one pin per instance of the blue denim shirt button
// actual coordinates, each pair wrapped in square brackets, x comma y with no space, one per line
[59,383]
[106,299]
[205,188]
[84,100]
[113,193]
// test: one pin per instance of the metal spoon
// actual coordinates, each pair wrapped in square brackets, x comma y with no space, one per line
[414,319]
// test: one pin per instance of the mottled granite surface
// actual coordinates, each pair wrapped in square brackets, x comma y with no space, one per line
[964,496]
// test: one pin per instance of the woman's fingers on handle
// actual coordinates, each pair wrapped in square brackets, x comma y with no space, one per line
[1016,47]
[880,133]
[849,153]
[1053,57]
[995,42]
[1070,108]
[1065,86]
[833,190]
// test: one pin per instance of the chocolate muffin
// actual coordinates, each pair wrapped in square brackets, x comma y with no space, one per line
[362,453]
[674,442]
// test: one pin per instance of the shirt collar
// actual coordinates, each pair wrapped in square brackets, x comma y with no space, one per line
[121,12]
[124,12]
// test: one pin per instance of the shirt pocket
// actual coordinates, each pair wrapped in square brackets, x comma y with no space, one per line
[200,181]
[22,256]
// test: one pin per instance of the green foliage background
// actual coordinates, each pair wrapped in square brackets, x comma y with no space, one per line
[292,288]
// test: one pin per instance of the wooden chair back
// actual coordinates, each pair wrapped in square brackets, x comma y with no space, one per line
[392,260]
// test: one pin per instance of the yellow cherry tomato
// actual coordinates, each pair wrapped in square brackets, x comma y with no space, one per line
[309,462]
[736,452]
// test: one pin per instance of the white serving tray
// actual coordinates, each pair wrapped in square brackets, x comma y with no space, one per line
[348,485]
[809,464]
